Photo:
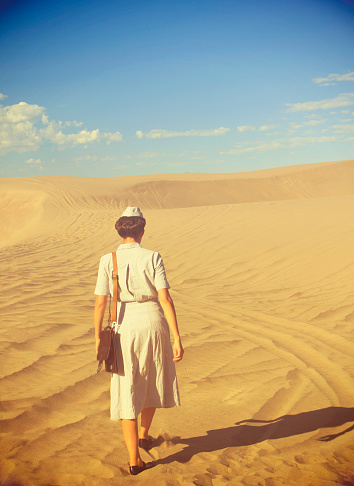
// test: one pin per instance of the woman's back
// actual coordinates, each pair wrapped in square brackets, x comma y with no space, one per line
[141,274]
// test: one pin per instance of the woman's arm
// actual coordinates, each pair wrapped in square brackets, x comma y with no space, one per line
[100,307]
[170,315]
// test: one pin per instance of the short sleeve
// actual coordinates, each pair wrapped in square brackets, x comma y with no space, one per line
[160,274]
[102,284]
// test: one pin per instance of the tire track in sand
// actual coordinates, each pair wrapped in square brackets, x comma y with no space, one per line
[308,355]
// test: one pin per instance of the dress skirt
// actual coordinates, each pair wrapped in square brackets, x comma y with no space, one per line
[146,372]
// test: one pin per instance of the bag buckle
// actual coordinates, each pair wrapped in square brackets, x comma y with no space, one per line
[115,326]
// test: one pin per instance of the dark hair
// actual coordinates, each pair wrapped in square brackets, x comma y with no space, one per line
[130,226]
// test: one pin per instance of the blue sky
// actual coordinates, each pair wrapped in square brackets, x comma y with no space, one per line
[111,88]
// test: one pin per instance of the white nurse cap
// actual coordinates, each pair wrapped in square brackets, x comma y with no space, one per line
[132,211]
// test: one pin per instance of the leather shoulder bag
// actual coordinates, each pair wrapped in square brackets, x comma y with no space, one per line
[107,351]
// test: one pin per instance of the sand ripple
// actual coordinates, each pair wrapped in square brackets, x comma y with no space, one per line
[261,267]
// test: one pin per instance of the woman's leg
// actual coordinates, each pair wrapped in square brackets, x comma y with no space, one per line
[130,432]
[146,418]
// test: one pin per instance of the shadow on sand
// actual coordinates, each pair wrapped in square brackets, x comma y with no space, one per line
[248,432]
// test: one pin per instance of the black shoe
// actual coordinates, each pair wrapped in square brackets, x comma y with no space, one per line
[146,444]
[134,470]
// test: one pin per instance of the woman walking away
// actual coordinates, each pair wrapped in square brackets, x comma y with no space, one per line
[146,377]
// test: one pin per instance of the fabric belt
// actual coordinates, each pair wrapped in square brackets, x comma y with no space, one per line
[121,310]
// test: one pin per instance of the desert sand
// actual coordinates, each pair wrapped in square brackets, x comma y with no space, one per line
[261,267]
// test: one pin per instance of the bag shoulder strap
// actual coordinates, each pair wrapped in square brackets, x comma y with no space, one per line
[115,286]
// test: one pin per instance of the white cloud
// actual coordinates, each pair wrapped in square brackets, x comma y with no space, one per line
[249,128]
[313,123]
[312,116]
[45,119]
[112,137]
[349,128]
[94,158]
[331,79]
[191,133]
[3,96]
[309,123]
[22,112]
[257,147]
[264,128]
[300,141]
[148,155]
[55,135]
[146,164]
[33,162]
[25,127]
[122,166]
[246,128]
[295,126]
[17,130]
[73,123]
[344,99]
[38,164]
[289,142]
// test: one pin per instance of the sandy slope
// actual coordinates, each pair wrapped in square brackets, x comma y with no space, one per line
[261,265]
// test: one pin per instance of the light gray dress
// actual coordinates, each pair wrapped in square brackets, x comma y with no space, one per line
[146,371]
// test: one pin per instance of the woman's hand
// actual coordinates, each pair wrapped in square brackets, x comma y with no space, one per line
[97,344]
[170,315]
[177,350]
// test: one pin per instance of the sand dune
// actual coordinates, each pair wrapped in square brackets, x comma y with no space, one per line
[261,267]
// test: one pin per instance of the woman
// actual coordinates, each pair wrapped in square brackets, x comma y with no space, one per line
[146,377]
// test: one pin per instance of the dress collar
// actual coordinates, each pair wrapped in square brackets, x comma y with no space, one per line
[127,246]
